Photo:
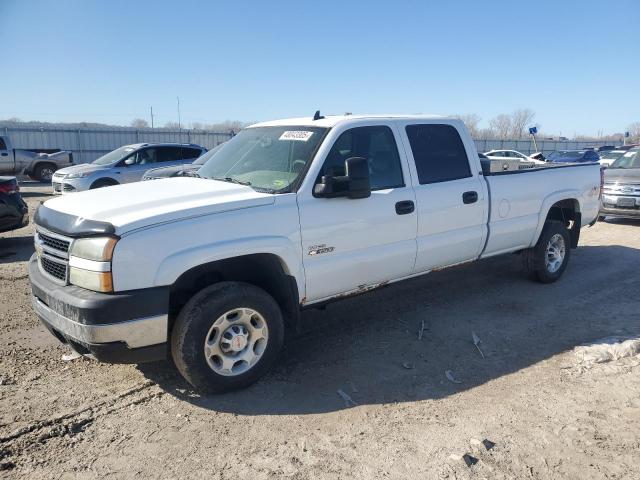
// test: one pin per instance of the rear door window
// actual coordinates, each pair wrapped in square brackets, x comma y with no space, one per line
[190,153]
[3,146]
[438,152]
[169,154]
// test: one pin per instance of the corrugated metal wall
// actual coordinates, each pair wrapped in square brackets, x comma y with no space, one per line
[89,144]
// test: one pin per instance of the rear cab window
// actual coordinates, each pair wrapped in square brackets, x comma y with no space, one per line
[3,146]
[438,152]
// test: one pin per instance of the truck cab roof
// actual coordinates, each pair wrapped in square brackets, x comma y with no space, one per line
[330,121]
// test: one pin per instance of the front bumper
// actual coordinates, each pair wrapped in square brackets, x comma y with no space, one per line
[125,327]
[62,185]
[610,205]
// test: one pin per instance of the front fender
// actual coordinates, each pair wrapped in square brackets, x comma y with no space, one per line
[176,264]
[547,203]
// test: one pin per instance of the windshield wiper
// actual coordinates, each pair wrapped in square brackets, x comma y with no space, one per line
[231,180]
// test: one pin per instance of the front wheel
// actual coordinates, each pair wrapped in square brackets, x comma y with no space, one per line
[227,336]
[550,256]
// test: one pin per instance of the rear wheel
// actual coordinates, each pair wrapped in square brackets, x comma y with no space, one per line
[43,172]
[548,259]
[227,336]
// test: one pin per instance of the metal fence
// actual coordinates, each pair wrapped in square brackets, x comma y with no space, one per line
[89,144]
[527,146]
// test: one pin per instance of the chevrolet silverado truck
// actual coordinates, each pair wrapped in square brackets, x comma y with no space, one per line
[214,269]
[37,164]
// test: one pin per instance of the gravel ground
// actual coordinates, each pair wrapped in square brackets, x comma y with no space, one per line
[398,415]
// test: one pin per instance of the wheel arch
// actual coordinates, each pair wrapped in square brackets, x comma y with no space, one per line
[564,207]
[265,270]
[109,180]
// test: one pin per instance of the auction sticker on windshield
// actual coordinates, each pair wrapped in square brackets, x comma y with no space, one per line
[298,135]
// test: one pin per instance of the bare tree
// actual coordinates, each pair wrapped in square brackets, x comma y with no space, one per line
[521,119]
[501,126]
[471,121]
[634,132]
[139,123]
[172,125]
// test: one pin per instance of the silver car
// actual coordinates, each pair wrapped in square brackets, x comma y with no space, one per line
[124,165]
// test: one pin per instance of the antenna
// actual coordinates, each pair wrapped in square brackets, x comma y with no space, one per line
[317,116]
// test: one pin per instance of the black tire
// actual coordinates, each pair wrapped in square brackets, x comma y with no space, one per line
[193,326]
[103,182]
[535,258]
[43,172]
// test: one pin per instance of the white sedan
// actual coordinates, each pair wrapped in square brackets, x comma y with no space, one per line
[511,155]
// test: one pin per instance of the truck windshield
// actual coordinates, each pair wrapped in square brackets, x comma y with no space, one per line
[630,159]
[112,157]
[266,158]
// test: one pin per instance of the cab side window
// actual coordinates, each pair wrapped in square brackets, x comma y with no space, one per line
[146,156]
[438,152]
[376,144]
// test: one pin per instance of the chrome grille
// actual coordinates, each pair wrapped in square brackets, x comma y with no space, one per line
[54,242]
[54,268]
[53,254]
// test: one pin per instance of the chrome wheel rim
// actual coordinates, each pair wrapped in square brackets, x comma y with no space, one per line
[555,253]
[236,341]
[47,173]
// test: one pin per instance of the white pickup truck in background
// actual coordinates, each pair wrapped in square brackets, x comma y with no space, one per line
[288,215]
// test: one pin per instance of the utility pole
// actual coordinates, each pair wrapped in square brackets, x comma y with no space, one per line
[179,122]
[151,116]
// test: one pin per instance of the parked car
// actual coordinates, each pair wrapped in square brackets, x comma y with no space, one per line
[610,156]
[621,191]
[37,165]
[538,156]
[574,156]
[604,148]
[288,215]
[124,165]
[628,146]
[180,170]
[511,155]
[13,209]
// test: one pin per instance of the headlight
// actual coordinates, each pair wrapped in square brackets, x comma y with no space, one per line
[90,263]
[99,249]
[76,175]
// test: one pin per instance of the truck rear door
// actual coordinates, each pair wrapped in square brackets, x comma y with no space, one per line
[353,244]
[6,157]
[451,196]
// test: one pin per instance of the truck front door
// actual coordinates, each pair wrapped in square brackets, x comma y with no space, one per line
[451,197]
[6,158]
[354,244]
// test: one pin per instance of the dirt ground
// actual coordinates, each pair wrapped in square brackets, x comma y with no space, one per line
[358,395]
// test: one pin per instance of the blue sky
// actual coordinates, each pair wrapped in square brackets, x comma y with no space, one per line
[109,61]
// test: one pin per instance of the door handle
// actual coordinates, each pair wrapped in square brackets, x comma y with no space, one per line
[405,207]
[5,154]
[469,197]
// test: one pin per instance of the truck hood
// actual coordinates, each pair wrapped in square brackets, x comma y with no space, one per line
[83,167]
[136,205]
[622,175]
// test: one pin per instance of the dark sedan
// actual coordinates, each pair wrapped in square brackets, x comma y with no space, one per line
[13,210]
[180,170]
[574,156]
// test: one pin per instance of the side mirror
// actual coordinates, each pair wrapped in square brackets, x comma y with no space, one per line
[355,184]
[357,169]
[130,161]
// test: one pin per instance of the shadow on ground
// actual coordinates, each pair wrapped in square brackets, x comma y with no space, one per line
[368,346]
[15,249]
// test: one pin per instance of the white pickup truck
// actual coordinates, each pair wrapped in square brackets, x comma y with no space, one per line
[290,214]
